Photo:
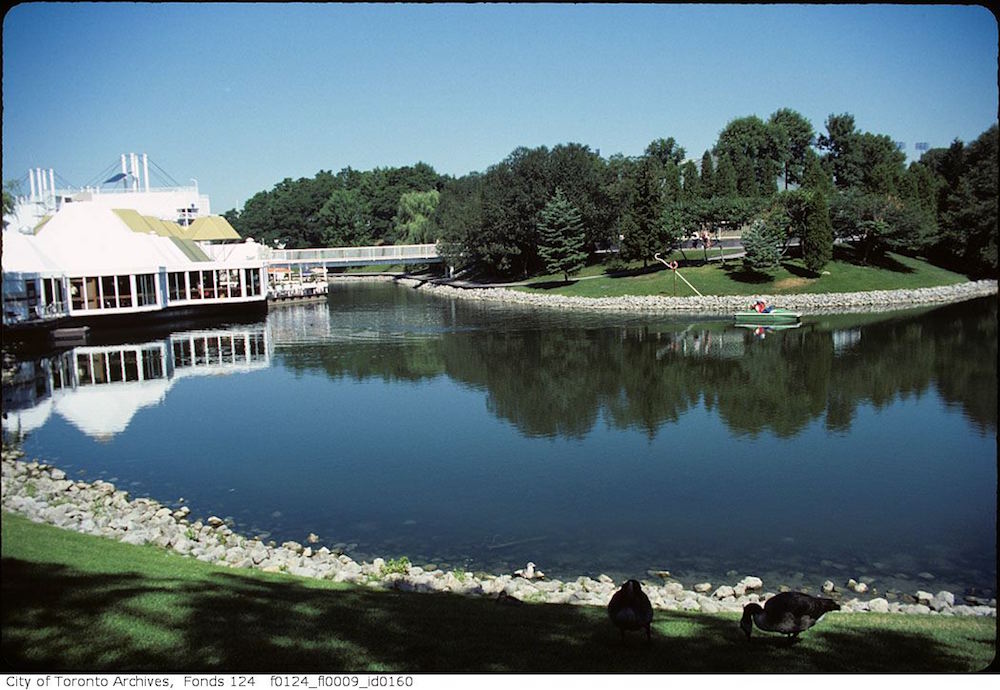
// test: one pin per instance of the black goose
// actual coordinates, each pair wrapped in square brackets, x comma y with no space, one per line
[788,613]
[629,608]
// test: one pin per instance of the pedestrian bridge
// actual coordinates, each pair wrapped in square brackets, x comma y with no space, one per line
[342,257]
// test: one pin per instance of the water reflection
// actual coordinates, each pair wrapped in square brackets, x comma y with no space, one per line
[560,381]
[99,389]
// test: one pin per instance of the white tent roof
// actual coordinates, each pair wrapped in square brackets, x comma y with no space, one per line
[22,255]
[88,238]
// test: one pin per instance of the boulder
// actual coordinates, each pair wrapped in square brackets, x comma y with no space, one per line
[673,589]
[292,546]
[703,587]
[878,605]
[708,605]
[828,587]
[723,592]
[942,600]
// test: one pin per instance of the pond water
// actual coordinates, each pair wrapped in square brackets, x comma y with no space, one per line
[480,436]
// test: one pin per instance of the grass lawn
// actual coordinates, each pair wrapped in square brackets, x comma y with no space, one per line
[845,275]
[75,602]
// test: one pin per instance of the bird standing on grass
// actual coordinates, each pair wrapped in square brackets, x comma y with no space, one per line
[629,608]
[788,613]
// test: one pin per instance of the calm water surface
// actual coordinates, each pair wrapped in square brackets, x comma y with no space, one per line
[480,436]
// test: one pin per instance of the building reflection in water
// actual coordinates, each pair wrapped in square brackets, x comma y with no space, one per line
[99,389]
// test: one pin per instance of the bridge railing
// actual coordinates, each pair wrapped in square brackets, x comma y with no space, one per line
[387,252]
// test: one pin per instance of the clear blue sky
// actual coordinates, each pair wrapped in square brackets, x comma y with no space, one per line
[242,96]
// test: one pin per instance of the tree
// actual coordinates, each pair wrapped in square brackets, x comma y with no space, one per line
[581,173]
[799,137]
[665,151]
[725,177]
[561,236]
[756,151]
[817,240]
[8,201]
[815,176]
[882,164]
[514,191]
[413,216]
[346,219]
[707,175]
[690,182]
[843,150]
[763,244]
[967,207]
[458,220]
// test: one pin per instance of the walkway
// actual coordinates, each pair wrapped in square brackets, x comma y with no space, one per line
[342,257]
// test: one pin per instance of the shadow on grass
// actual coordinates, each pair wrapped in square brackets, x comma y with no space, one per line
[633,272]
[739,273]
[551,284]
[799,271]
[59,618]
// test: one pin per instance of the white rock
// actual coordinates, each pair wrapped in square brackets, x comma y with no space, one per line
[689,605]
[878,605]
[673,589]
[702,587]
[723,592]
[708,606]
[942,600]
[751,582]
[292,546]
[828,587]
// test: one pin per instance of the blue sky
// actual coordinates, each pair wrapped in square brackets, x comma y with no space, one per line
[242,96]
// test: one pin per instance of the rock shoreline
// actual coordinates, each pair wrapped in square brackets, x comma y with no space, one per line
[823,303]
[43,493]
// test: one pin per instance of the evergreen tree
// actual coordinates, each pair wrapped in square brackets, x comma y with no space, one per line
[707,175]
[561,236]
[725,177]
[762,242]
[816,177]
[691,183]
[817,240]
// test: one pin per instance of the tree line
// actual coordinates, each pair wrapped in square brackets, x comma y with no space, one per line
[548,209]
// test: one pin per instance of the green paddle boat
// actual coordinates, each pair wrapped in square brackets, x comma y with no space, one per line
[768,317]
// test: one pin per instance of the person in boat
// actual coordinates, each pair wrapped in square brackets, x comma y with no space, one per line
[761,307]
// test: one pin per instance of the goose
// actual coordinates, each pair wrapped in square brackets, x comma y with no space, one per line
[788,613]
[629,608]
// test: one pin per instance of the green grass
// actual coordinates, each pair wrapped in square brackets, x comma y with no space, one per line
[81,603]
[845,275]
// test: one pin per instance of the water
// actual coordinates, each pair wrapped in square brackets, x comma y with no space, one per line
[481,436]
